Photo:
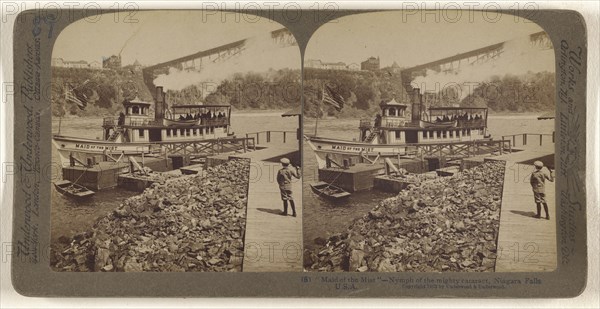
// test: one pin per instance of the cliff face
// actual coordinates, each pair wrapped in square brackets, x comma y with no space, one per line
[364,90]
[104,90]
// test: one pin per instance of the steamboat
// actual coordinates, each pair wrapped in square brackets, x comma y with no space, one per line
[397,132]
[135,132]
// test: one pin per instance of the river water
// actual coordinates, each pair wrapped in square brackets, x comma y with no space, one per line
[69,217]
[322,218]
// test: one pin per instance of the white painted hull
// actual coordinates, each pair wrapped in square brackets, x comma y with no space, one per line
[341,148]
[324,146]
[73,144]
[82,147]
[320,144]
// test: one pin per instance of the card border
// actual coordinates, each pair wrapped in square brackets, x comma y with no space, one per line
[39,280]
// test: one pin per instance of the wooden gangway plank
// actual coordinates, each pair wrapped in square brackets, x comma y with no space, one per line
[272,242]
[266,153]
[525,244]
[136,165]
[524,155]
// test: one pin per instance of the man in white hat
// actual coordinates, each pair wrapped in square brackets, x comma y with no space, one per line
[538,181]
[284,179]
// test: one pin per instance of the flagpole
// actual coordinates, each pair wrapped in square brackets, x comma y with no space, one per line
[319,109]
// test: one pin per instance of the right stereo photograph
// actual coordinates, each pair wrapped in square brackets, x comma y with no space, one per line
[429,144]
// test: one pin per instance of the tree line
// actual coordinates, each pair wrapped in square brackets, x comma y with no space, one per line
[102,90]
[105,90]
[363,91]
[281,89]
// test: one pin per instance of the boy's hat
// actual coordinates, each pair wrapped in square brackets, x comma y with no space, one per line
[538,164]
[285,161]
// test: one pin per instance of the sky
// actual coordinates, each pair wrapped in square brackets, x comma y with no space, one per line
[354,38]
[157,36]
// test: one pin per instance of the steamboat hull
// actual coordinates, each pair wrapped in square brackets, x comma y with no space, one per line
[328,145]
[66,144]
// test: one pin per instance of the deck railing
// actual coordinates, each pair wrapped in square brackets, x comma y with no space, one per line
[462,149]
[526,137]
[109,121]
[112,121]
[267,136]
[207,147]
[145,122]
[365,124]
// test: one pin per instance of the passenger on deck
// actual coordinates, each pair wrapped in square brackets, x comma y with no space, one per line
[181,117]
[378,120]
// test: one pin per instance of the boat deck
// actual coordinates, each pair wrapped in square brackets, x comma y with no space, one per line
[525,244]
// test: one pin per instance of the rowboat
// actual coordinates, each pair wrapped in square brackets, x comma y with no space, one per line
[329,191]
[73,190]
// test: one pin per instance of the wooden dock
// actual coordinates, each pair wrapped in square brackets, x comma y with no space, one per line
[272,242]
[527,156]
[358,177]
[525,244]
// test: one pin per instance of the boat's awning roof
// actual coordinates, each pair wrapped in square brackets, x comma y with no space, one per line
[456,108]
[199,106]
[546,116]
[137,101]
[392,102]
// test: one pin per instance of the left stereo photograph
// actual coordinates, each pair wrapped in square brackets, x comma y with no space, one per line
[175,139]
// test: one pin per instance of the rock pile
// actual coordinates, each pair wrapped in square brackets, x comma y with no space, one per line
[189,223]
[444,224]
[410,177]
[151,175]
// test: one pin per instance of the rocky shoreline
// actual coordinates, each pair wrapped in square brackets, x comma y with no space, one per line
[444,224]
[188,223]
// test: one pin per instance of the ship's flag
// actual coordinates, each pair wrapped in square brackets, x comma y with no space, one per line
[77,97]
[333,98]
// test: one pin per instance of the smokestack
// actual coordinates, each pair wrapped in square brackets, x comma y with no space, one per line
[159,107]
[417,102]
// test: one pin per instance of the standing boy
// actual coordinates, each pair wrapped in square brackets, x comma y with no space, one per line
[538,180]
[284,179]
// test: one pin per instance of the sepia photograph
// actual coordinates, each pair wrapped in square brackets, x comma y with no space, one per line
[429,146]
[299,150]
[176,141]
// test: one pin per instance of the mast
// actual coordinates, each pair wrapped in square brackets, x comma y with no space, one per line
[320,109]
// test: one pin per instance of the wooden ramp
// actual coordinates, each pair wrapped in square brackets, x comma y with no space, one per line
[524,155]
[525,244]
[272,242]
[266,153]
[192,169]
